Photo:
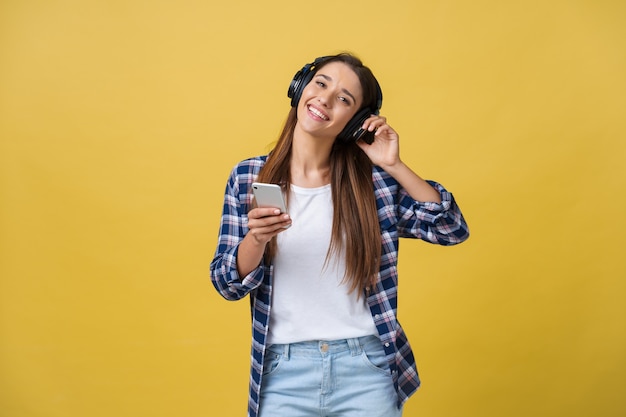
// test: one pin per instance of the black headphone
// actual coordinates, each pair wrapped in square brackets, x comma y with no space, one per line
[353,130]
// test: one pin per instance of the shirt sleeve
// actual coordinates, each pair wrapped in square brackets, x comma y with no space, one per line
[233,228]
[438,223]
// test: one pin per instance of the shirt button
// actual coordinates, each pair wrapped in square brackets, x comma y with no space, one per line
[377,316]
[386,344]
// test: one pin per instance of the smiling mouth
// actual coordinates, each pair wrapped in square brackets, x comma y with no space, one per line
[317,113]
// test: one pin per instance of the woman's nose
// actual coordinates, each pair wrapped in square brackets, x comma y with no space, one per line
[323,98]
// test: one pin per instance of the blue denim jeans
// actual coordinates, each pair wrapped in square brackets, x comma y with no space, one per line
[341,378]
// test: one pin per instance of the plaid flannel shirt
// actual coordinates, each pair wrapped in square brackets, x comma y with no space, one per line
[399,216]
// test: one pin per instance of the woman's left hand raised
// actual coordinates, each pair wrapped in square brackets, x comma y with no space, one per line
[384,151]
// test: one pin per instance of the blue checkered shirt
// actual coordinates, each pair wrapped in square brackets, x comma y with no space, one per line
[399,216]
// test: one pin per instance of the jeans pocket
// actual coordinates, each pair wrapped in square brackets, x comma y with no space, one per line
[271,362]
[374,357]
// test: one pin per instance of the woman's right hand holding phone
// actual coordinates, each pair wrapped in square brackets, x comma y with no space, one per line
[263,224]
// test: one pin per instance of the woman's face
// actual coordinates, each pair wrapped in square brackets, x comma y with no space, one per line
[329,100]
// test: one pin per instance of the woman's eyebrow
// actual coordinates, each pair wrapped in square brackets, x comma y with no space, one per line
[327,78]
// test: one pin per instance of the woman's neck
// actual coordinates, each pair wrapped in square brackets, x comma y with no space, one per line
[310,161]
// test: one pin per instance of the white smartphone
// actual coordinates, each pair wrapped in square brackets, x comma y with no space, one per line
[269,195]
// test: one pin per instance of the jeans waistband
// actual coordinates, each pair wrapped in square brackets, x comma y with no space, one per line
[322,347]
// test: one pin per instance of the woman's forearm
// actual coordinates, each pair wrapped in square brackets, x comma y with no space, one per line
[249,255]
[417,187]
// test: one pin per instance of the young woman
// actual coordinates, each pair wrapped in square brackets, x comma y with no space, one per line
[322,279]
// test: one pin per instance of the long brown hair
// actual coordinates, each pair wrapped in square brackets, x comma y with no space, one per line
[355,230]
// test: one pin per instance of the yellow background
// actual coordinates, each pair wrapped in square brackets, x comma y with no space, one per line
[120,121]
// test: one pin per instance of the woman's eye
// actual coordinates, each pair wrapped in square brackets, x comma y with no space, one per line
[321,84]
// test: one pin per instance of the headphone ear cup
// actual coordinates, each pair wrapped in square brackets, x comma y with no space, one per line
[299,87]
[293,86]
[354,129]
[300,80]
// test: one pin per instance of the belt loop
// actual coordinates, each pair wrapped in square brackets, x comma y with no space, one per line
[286,353]
[355,346]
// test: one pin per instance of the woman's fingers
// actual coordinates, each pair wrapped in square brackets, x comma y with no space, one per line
[265,223]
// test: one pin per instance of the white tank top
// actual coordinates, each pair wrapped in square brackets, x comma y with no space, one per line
[309,300]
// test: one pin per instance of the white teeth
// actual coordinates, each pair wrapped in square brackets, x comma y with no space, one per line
[318,113]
